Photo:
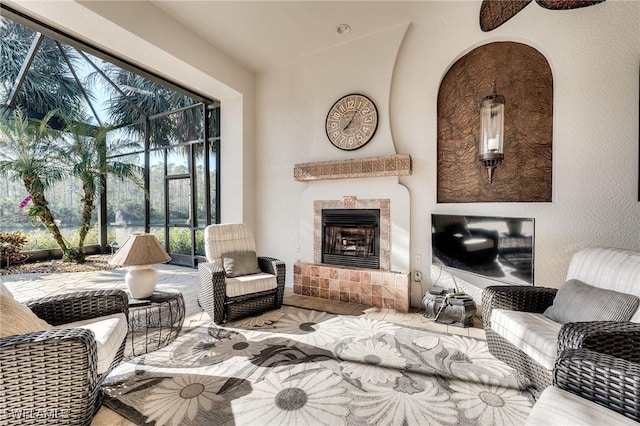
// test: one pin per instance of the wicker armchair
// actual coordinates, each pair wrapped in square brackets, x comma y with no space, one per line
[51,377]
[227,298]
[584,381]
[601,267]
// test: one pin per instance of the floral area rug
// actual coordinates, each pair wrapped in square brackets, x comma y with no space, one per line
[301,367]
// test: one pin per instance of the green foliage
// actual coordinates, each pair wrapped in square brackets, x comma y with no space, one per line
[40,239]
[180,241]
[11,244]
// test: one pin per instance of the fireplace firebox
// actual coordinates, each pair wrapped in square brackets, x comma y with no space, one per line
[351,237]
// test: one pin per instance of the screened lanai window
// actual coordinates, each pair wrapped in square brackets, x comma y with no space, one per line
[122,151]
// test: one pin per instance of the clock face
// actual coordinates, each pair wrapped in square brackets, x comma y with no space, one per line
[352,121]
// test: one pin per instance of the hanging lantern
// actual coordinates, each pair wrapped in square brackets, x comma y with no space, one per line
[491,146]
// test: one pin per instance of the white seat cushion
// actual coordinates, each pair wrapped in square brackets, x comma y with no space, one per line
[558,407]
[109,331]
[247,284]
[533,334]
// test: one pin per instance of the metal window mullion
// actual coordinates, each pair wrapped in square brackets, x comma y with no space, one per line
[207,183]
[194,202]
[166,199]
[26,64]
[147,176]
[217,142]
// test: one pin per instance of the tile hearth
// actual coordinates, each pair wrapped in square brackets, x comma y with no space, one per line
[369,287]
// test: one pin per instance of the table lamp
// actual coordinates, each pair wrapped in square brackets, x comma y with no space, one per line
[139,252]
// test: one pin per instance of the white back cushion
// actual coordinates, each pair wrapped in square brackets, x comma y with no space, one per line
[609,268]
[227,238]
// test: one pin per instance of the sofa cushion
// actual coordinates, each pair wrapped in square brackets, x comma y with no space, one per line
[109,331]
[533,334]
[240,263]
[248,284]
[559,407]
[577,301]
[16,318]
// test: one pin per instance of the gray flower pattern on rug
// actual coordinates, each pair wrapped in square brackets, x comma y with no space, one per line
[303,367]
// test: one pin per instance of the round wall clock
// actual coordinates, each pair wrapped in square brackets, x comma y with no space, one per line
[351,122]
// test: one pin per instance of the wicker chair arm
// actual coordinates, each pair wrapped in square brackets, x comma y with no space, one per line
[50,369]
[516,298]
[82,305]
[212,290]
[619,339]
[276,267]
[271,265]
[601,378]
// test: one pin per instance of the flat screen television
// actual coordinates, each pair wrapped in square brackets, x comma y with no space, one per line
[498,248]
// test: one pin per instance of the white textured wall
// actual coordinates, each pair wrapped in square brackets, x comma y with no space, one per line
[594,54]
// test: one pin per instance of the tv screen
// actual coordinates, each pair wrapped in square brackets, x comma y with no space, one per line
[499,248]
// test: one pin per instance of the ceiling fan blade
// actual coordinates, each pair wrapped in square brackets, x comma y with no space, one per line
[494,13]
[566,4]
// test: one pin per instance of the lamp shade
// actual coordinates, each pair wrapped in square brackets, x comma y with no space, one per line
[140,249]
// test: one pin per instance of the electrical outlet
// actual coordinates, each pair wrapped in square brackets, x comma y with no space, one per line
[417,276]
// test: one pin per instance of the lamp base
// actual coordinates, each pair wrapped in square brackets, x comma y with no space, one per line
[141,281]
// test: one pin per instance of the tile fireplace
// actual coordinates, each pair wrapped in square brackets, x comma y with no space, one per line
[352,256]
[351,237]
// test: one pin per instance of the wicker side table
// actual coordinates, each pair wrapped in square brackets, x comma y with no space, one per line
[154,322]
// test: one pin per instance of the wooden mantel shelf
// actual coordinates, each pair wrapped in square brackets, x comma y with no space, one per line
[392,165]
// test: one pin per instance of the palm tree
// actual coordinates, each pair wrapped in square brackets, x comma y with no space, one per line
[48,84]
[139,97]
[85,155]
[27,154]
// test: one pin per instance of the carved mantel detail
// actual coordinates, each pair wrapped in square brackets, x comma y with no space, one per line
[393,165]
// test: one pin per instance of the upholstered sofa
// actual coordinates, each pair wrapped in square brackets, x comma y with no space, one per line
[596,308]
[55,353]
[590,388]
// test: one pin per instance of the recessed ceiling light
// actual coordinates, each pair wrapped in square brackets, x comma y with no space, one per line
[343,29]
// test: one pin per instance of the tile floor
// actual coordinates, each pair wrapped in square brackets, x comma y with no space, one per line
[176,278]
[184,280]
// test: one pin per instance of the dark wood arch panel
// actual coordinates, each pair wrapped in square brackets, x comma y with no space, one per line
[523,75]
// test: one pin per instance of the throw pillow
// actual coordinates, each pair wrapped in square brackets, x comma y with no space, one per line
[578,302]
[240,263]
[16,318]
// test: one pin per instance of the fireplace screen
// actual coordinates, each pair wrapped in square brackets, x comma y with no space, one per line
[351,237]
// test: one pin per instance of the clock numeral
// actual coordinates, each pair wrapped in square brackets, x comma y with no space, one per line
[368,119]
[365,111]
[359,137]
[337,115]
[333,125]
[351,104]
[336,133]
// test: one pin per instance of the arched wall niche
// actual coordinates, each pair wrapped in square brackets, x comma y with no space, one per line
[523,76]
